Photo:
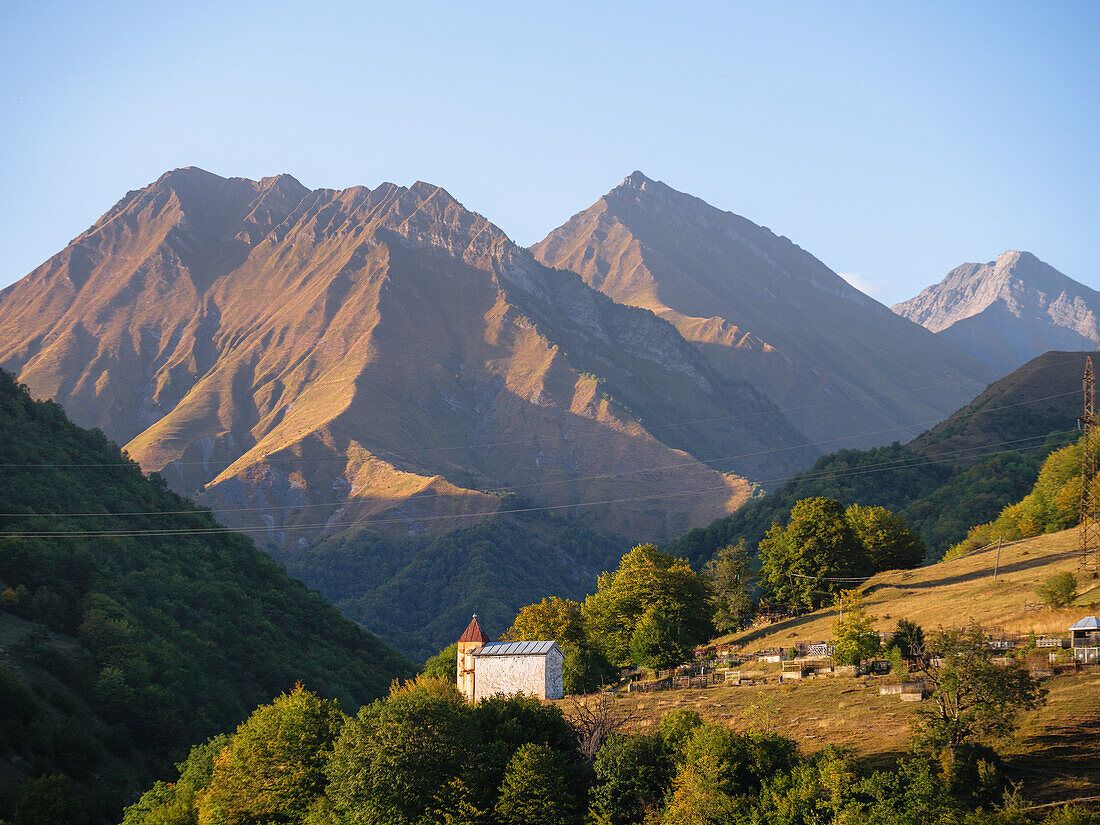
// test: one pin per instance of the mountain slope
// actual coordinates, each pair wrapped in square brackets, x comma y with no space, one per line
[314,364]
[123,639]
[763,310]
[1008,311]
[960,473]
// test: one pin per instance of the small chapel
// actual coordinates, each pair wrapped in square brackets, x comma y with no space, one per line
[487,668]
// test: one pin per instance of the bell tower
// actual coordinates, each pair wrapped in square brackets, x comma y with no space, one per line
[473,638]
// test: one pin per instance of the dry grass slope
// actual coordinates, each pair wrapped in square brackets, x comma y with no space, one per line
[956,592]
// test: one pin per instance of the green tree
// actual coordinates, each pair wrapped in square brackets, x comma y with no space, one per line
[647,580]
[720,769]
[854,636]
[888,543]
[1060,590]
[272,770]
[48,800]
[633,773]
[175,803]
[676,728]
[730,577]
[817,544]
[553,618]
[742,761]
[697,797]
[972,697]
[657,642]
[443,665]
[585,667]
[404,758]
[908,640]
[535,789]
[506,724]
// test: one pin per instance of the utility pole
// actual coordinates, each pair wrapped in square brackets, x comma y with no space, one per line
[1090,530]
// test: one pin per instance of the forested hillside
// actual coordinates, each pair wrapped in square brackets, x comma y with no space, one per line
[132,624]
[498,565]
[959,473]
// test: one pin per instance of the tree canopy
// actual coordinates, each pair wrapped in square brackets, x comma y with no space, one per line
[657,596]
[854,636]
[818,544]
[730,577]
[972,697]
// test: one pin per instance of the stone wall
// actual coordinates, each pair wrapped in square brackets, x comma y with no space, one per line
[554,683]
[510,675]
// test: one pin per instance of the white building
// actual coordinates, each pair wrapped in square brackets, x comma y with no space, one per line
[489,668]
[1084,637]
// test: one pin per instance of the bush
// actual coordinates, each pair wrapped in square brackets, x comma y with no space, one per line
[1060,590]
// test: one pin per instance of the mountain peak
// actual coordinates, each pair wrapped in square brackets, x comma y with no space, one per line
[187,174]
[636,180]
[1008,310]
[282,181]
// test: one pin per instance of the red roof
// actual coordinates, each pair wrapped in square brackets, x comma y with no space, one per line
[474,633]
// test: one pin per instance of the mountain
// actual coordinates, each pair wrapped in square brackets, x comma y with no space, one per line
[1008,311]
[962,472]
[841,366]
[124,638]
[359,373]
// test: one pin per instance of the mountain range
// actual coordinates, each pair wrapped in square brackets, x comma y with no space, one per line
[317,359]
[421,418]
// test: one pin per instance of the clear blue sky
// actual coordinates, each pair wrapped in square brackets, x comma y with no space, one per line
[892,140]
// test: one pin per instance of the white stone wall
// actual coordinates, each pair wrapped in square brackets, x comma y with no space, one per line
[555,688]
[512,674]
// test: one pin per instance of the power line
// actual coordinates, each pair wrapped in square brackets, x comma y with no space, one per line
[373,522]
[904,463]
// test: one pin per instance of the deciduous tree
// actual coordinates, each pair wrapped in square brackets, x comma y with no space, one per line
[888,543]
[854,636]
[1059,590]
[972,697]
[647,580]
[272,770]
[730,577]
[818,544]
[585,667]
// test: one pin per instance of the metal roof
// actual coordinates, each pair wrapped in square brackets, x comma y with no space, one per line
[1087,623]
[515,649]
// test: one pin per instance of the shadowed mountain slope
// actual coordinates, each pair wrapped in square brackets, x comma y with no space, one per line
[315,364]
[962,472]
[1008,311]
[839,364]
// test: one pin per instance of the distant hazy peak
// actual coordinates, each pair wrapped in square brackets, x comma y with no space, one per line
[1016,279]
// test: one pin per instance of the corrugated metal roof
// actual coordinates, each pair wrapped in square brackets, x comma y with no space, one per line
[1087,623]
[515,649]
